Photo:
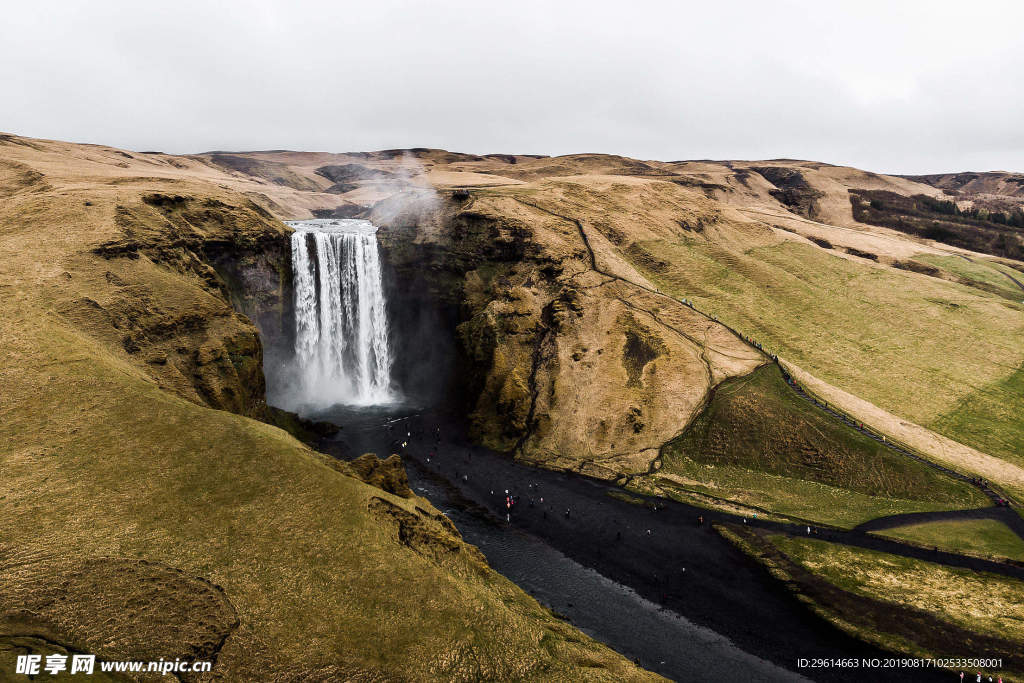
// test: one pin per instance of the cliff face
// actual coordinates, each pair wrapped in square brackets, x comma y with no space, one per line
[195,343]
[571,358]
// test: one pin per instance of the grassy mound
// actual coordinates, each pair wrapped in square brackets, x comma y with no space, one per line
[901,604]
[759,443]
[981,537]
[977,273]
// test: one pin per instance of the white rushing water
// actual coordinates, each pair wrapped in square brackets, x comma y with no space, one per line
[341,329]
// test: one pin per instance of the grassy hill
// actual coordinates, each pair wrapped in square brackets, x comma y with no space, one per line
[912,344]
[986,538]
[758,443]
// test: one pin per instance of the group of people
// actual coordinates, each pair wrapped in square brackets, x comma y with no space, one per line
[979,678]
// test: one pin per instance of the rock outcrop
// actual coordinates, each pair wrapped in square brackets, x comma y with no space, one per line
[571,358]
[387,474]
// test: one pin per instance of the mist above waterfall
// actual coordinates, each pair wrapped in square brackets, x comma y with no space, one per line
[342,352]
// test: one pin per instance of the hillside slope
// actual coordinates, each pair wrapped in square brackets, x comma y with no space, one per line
[920,330]
[146,514]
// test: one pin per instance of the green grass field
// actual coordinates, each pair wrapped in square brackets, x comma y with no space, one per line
[984,274]
[914,345]
[758,443]
[988,420]
[989,604]
[982,537]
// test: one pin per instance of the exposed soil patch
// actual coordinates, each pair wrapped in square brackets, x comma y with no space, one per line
[636,354]
[861,254]
[792,190]
[917,267]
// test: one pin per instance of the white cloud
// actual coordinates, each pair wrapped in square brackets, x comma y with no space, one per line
[903,87]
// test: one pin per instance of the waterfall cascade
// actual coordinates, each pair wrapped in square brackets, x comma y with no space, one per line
[342,354]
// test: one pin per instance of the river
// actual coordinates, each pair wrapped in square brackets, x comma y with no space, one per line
[652,584]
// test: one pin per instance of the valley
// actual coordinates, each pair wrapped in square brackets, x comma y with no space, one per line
[636,335]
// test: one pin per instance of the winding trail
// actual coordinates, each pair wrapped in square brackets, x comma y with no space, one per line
[996,496]
[1013,279]
[985,487]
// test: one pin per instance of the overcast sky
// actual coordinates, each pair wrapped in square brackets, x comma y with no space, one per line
[906,87]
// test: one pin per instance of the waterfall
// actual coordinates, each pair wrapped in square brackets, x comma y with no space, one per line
[341,328]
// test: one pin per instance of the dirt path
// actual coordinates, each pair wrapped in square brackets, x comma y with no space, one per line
[977,482]
[1015,280]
